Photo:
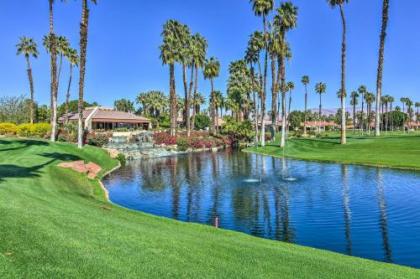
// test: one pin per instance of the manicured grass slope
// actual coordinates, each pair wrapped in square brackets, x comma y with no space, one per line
[386,151]
[55,223]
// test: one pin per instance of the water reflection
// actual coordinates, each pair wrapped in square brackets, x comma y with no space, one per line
[348,209]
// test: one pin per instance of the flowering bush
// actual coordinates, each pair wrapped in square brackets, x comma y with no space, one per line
[8,128]
[164,138]
[98,139]
[41,130]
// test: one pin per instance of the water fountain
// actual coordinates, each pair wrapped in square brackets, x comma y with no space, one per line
[137,145]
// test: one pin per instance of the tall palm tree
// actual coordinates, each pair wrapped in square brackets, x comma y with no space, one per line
[53,70]
[385,12]
[340,4]
[186,60]
[262,8]
[362,91]
[305,82]
[212,71]
[417,105]
[285,20]
[28,48]
[391,101]
[199,50]
[73,59]
[290,87]
[170,55]
[83,53]
[320,88]
[354,102]
[198,101]
[62,45]
[369,98]
[218,104]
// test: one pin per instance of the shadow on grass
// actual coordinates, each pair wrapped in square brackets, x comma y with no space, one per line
[22,144]
[14,171]
[55,156]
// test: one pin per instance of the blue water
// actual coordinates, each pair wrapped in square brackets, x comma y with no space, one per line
[366,212]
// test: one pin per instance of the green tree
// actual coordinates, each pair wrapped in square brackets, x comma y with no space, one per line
[340,4]
[369,99]
[199,52]
[354,102]
[262,8]
[385,17]
[305,82]
[124,105]
[28,48]
[84,27]
[362,90]
[284,21]
[170,54]
[73,59]
[212,71]
[320,88]
[153,103]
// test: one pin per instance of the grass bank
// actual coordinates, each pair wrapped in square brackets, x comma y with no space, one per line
[55,223]
[394,151]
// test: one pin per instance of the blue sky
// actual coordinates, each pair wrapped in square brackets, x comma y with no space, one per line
[124,36]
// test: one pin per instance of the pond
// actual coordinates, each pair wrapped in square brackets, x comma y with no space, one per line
[361,211]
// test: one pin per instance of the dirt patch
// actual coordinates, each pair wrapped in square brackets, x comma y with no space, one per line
[91,169]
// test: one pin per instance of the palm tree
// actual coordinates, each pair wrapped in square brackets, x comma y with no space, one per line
[409,103]
[285,20]
[73,59]
[417,105]
[212,71]
[28,47]
[362,91]
[369,98]
[354,102]
[391,101]
[385,12]
[305,82]
[186,60]
[252,57]
[262,8]
[53,68]
[290,87]
[170,55]
[198,101]
[83,53]
[218,104]
[62,46]
[199,50]
[320,88]
[340,4]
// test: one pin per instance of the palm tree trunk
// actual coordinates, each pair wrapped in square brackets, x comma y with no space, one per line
[273,94]
[195,94]
[381,64]
[343,79]
[212,112]
[283,101]
[68,94]
[320,113]
[31,88]
[188,103]
[184,80]
[363,113]
[255,103]
[173,102]
[264,89]
[53,87]
[83,48]
[306,110]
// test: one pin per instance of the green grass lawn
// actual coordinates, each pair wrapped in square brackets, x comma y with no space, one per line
[55,223]
[396,151]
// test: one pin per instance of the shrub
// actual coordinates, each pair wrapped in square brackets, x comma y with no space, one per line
[97,139]
[40,130]
[202,121]
[24,130]
[164,138]
[183,144]
[238,130]
[8,129]
[121,158]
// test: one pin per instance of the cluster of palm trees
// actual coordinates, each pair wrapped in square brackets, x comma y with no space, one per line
[181,47]
[59,47]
